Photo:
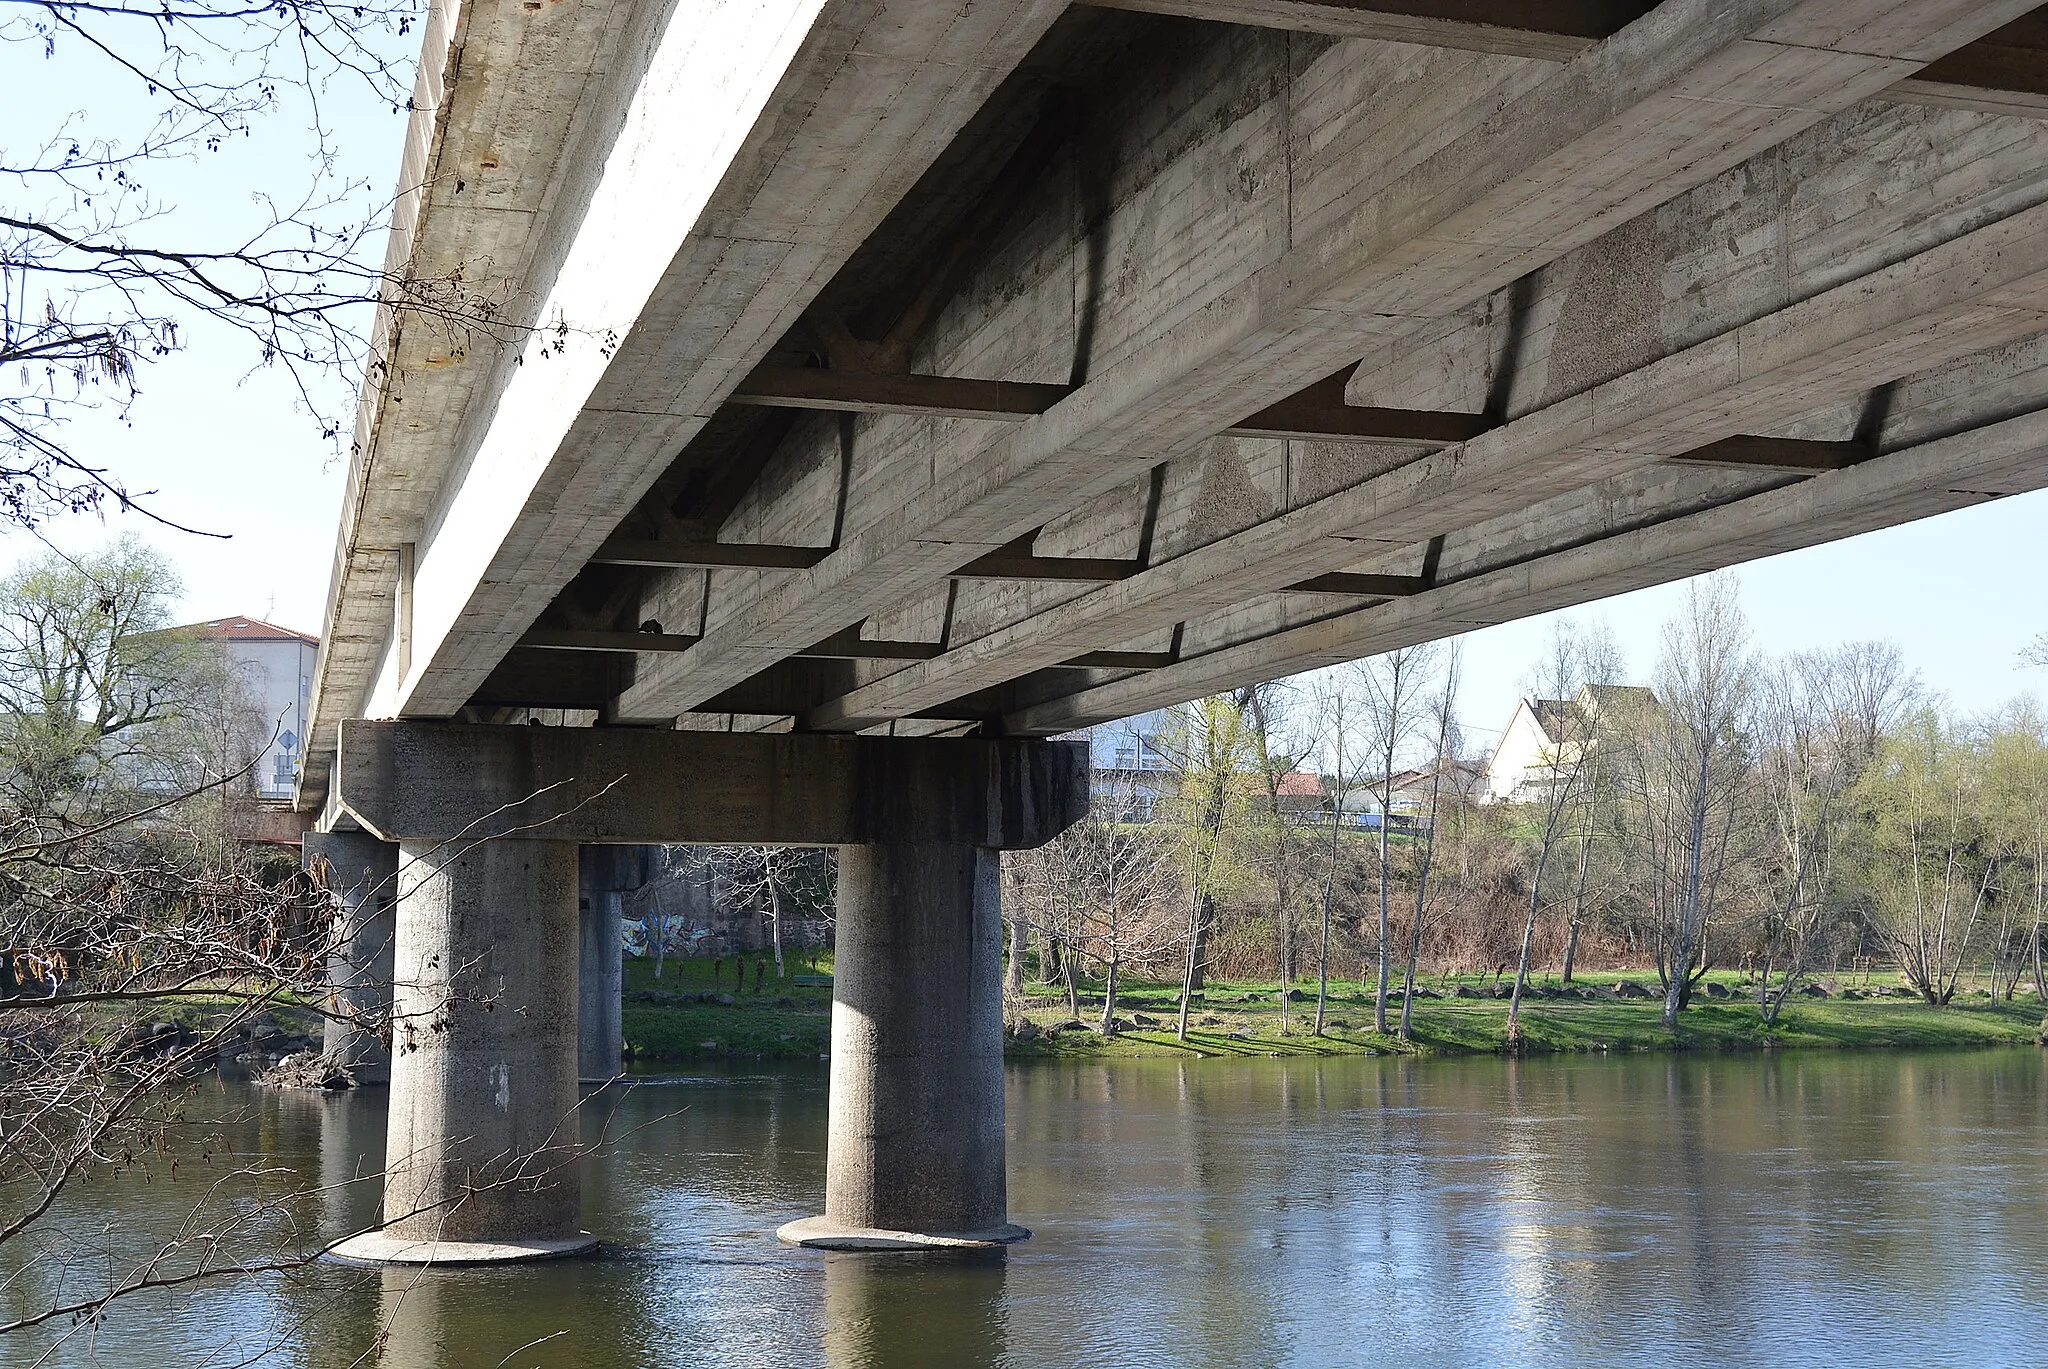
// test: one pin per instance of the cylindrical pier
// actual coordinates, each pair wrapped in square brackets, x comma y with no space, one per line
[361,872]
[481,1163]
[915,1142]
[600,968]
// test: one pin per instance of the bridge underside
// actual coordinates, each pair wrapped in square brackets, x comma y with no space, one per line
[1013,366]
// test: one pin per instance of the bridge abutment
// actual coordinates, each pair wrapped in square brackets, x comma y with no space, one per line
[361,872]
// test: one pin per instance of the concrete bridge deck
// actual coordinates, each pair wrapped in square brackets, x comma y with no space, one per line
[994,367]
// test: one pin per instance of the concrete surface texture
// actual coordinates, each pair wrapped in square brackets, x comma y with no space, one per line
[360,873]
[915,1139]
[483,1135]
[628,786]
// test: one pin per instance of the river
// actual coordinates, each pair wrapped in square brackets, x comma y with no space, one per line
[1813,1208]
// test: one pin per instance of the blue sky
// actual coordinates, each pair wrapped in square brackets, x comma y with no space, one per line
[228,449]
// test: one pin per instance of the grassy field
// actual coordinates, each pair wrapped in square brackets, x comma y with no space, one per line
[685,1015]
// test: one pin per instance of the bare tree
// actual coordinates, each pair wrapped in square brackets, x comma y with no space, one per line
[1931,870]
[1687,767]
[1111,890]
[2017,807]
[1208,750]
[779,880]
[1569,715]
[99,273]
[1274,762]
[1338,725]
[1393,688]
[1444,760]
[1821,716]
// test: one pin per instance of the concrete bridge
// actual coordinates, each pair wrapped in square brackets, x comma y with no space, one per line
[876,386]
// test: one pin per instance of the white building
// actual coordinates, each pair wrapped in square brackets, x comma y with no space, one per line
[1531,744]
[272,667]
[1130,774]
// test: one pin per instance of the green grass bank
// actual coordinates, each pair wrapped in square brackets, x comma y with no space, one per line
[686,1014]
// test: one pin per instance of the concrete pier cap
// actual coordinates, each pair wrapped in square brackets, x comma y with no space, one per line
[490,819]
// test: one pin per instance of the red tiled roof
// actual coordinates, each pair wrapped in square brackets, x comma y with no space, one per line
[246,630]
[1299,785]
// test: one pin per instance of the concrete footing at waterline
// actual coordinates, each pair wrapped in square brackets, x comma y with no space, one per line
[381,1248]
[823,1233]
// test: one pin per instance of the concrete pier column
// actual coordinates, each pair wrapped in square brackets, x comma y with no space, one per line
[481,1160]
[605,873]
[915,1145]
[361,872]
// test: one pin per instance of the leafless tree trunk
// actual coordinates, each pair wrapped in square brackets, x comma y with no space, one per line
[1013,977]
[1425,852]
[1572,716]
[1391,685]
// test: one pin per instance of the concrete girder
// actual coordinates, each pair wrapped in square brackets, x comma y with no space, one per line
[2002,73]
[691,296]
[1665,105]
[689,206]
[1952,472]
[1972,293]
[503,91]
[467,783]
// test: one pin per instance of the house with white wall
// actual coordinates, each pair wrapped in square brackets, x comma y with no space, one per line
[272,668]
[1531,745]
[1129,773]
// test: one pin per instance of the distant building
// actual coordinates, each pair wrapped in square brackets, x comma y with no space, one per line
[1409,796]
[1302,796]
[272,667]
[1130,776]
[1523,765]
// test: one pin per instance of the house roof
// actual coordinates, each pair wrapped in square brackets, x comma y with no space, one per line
[1550,715]
[1616,696]
[1297,784]
[245,629]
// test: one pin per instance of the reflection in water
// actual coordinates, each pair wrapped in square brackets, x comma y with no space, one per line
[1822,1208]
[938,1309]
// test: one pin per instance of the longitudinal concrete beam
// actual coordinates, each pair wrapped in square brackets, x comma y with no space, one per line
[755,149]
[682,177]
[1972,293]
[1663,106]
[462,781]
[1952,472]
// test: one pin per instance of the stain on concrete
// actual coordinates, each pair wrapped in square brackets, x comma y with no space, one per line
[1322,468]
[1229,500]
[1610,322]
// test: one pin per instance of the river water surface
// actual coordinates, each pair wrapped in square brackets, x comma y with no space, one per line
[1823,1208]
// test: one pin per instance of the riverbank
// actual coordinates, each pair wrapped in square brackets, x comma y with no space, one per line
[689,1015]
